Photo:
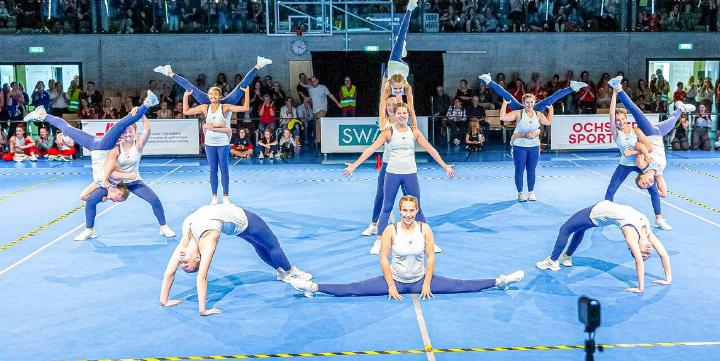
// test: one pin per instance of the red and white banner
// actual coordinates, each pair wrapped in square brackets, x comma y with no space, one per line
[586,131]
[168,137]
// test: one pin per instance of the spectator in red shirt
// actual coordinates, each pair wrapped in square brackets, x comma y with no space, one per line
[679,94]
[86,111]
[266,110]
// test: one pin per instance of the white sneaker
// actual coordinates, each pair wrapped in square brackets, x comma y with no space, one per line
[226,200]
[262,62]
[261,155]
[412,4]
[66,158]
[522,197]
[531,197]
[507,280]
[662,224]
[163,69]
[456,141]
[53,157]
[294,273]
[307,287]
[615,83]
[437,248]
[486,78]
[33,157]
[86,234]
[547,263]
[166,231]
[376,247]
[686,108]
[151,100]
[214,200]
[371,230]
[36,115]
[577,85]
[272,156]
[565,260]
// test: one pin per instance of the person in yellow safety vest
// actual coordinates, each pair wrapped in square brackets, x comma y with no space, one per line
[348,98]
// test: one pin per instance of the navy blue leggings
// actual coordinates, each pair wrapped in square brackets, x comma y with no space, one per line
[218,157]
[202,97]
[576,225]
[663,128]
[138,188]
[266,244]
[540,106]
[397,50]
[91,142]
[619,176]
[410,186]
[525,158]
[377,207]
[377,286]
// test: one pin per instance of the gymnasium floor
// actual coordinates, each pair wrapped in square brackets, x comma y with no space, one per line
[67,300]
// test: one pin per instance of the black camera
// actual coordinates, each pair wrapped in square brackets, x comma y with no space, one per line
[589,313]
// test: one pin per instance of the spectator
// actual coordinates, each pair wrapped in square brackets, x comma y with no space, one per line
[164,112]
[190,14]
[625,83]
[40,97]
[717,95]
[348,98]
[86,111]
[450,21]
[701,127]
[84,18]
[108,111]
[173,12]
[319,94]
[25,98]
[464,93]
[440,102]
[267,145]
[241,145]
[680,139]
[455,120]
[603,94]
[178,113]
[28,14]
[643,89]
[167,96]
[706,93]
[277,94]
[586,95]
[571,101]
[4,15]
[15,102]
[692,91]
[550,88]
[536,87]
[222,83]
[708,15]
[642,103]
[302,87]
[688,19]
[93,97]
[64,148]
[22,147]
[256,98]
[127,105]
[306,114]
[474,138]
[44,142]
[73,95]
[58,100]
[70,17]
[266,111]
[475,110]
[287,113]
[287,145]
[679,94]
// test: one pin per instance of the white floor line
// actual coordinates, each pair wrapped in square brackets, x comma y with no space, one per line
[423,328]
[82,225]
[647,195]
[168,162]
[237,161]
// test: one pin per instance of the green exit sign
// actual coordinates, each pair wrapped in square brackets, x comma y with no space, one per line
[371,48]
[36,50]
[685,46]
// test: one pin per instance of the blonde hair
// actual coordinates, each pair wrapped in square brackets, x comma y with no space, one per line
[409,198]
[621,111]
[528,95]
[214,88]
[397,78]
[123,190]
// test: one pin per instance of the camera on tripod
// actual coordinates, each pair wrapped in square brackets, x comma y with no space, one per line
[589,315]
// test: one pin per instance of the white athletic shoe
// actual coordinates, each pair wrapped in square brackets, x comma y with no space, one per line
[214,200]
[53,157]
[376,247]
[531,197]
[547,263]
[522,197]
[166,231]
[86,234]
[163,69]
[412,4]
[615,83]
[261,155]
[36,115]
[486,78]
[151,100]
[262,62]
[662,224]
[437,248]
[66,158]
[307,287]
[371,230]
[577,85]
[565,260]
[226,200]
[294,273]
[33,157]
[507,280]
[685,108]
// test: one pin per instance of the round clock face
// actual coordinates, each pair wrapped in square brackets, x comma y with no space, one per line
[299,47]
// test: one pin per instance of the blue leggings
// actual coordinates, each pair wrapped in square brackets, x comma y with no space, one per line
[202,97]
[540,106]
[525,158]
[396,53]
[377,207]
[377,286]
[663,128]
[410,186]
[576,225]
[138,188]
[619,176]
[266,244]
[218,157]
[91,142]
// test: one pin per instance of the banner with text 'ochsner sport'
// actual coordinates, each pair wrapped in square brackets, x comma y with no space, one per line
[586,131]
[354,135]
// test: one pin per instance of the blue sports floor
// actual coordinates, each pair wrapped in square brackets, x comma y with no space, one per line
[99,299]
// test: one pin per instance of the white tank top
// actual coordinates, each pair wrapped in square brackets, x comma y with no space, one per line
[214,138]
[63,145]
[623,142]
[608,213]
[129,162]
[659,161]
[407,255]
[400,151]
[527,124]
[97,161]
[19,142]
[225,218]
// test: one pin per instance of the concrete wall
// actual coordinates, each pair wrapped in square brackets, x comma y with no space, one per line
[118,61]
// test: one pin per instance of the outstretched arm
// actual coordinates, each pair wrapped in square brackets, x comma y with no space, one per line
[382,138]
[430,256]
[411,104]
[506,117]
[169,276]
[202,108]
[240,108]
[631,238]
[386,244]
[546,119]
[664,258]
[147,130]
[613,106]
[433,153]
[207,244]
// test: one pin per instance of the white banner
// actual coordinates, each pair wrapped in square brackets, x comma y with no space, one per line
[586,131]
[168,137]
[354,135]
